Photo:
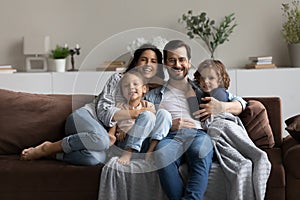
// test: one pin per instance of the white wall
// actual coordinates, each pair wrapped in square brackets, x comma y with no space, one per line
[89,22]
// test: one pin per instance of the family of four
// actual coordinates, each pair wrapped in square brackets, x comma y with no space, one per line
[139,112]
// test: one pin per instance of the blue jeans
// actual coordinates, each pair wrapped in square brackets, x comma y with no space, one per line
[198,149]
[147,124]
[86,140]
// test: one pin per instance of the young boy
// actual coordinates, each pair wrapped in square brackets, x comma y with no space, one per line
[133,90]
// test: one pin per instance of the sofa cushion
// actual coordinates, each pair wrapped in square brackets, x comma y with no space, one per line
[47,179]
[293,127]
[29,119]
[256,122]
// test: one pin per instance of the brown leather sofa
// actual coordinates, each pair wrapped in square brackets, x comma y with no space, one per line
[29,119]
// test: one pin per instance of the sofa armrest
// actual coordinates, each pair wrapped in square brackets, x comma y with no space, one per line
[291,156]
[273,107]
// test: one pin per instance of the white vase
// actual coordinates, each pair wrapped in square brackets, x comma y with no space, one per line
[57,65]
[294,53]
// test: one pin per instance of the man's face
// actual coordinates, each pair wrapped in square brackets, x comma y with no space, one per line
[177,63]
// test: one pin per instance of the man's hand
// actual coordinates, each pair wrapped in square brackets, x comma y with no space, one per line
[180,123]
[213,106]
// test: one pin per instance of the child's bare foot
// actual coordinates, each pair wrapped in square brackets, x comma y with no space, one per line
[42,150]
[125,158]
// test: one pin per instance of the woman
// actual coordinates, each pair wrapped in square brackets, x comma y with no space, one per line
[86,138]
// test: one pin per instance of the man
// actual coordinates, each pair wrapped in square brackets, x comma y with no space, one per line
[186,135]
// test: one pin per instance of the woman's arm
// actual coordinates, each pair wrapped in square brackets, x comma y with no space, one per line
[106,101]
[111,135]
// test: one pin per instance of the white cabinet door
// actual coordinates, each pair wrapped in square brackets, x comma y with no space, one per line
[79,82]
[282,82]
[27,82]
[232,75]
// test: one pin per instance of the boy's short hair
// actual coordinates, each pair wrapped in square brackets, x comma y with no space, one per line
[135,72]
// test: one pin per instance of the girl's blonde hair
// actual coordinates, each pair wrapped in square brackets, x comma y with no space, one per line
[220,69]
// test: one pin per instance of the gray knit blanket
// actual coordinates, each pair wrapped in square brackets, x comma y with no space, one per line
[245,167]
[241,172]
[136,181]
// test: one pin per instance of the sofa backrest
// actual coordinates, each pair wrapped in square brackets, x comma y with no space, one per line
[28,119]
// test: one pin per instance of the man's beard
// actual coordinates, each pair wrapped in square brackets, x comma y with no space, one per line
[175,76]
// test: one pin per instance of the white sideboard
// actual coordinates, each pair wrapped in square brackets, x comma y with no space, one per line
[282,82]
[86,82]
[79,82]
[27,82]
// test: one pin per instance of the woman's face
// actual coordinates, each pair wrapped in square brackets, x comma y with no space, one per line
[147,64]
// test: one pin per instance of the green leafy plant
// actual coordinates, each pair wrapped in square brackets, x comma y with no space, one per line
[60,52]
[291,27]
[201,26]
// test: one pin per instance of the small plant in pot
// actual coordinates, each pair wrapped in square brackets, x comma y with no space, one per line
[291,30]
[202,27]
[59,55]
[60,52]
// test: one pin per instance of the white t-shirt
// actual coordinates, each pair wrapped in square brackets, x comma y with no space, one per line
[175,102]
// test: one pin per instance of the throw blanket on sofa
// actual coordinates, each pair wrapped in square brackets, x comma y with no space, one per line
[246,168]
[241,172]
[135,181]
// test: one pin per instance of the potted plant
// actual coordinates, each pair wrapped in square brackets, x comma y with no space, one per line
[201,26]
[291,30]
[59,55]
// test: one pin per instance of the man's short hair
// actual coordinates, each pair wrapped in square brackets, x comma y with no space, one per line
[175,44]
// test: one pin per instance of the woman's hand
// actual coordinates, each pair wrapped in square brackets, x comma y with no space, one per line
[148,109]
[130,114]
[111,135]
[180,123]
[112,139]
[120,134]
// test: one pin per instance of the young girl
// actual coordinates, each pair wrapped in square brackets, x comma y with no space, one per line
[213,80]
[157,126]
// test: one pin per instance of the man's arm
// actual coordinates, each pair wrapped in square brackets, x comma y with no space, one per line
[233,107]
[215,107]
